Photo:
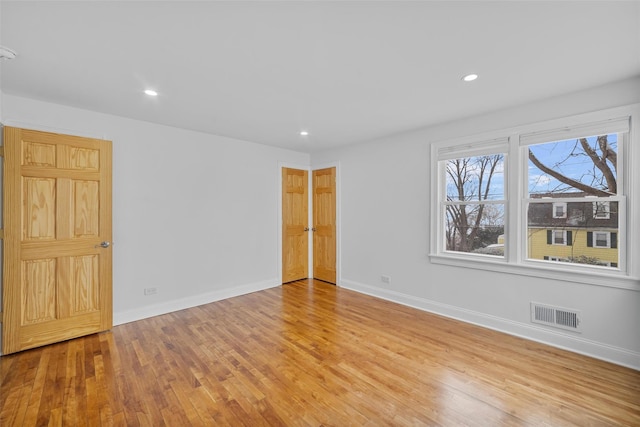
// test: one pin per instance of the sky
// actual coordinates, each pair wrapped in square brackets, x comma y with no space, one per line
[557,155]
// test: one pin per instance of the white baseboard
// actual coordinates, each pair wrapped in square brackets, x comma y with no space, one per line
[191,301]
[617,355]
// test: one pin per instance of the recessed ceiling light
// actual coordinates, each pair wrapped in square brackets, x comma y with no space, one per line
[304,133]
[470,77]
[151,92]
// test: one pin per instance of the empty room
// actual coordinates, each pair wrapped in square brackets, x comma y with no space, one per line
[320,213]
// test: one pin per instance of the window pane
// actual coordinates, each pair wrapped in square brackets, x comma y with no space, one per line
[559,237]
[475,178]
[559,210]
[476,228]
[601,240]
[587,166]
[579,238]
[601,210]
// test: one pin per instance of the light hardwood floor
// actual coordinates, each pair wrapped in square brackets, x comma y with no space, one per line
[310,354]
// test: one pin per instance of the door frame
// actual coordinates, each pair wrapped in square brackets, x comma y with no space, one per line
[310,169]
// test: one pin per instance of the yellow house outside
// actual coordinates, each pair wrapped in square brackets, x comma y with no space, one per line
[539,248]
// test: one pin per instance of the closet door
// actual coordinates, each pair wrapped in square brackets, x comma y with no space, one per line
[295,228]
[57,254]
[324,224]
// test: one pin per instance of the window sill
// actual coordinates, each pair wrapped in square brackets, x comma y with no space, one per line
[564,272]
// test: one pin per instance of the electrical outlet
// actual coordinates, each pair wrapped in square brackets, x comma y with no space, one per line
[385,279]
[150,291]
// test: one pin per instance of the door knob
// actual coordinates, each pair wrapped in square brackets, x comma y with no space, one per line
[306,229]
[103,245]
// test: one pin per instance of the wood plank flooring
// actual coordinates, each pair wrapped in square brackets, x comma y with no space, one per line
[310,354]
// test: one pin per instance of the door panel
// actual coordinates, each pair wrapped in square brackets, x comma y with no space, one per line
[57,211]
[295,218]
[39,291]
[324,223]
[40,212]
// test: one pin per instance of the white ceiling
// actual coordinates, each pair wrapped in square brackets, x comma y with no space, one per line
[346,71]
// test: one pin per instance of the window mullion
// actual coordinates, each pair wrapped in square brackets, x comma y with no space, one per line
[513,209]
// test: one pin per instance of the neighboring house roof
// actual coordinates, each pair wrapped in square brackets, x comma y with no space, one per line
[577,215]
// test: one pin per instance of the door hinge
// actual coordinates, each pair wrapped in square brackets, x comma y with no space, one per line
[1,234]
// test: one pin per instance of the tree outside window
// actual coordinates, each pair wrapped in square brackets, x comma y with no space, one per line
[475,204]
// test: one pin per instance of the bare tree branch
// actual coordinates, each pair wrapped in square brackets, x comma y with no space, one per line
[608,153]
[601,163]
[560,177]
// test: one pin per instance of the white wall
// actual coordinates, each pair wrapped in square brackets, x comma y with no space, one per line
[385,230]
[194,215]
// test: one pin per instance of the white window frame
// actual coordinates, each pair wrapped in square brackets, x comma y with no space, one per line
[513,142]
[607,239]
[554,240]
[564,210]
[472,149]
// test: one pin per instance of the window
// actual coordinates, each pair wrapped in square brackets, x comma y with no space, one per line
[602,239]
[559,210]
[475,204]
[559,237]
[601,210]
[569,201]
[575,171]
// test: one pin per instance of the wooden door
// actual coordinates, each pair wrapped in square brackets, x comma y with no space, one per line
[295,225]
[324,224]
[57,214]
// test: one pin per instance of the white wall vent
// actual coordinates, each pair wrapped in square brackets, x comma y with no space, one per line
[556,316]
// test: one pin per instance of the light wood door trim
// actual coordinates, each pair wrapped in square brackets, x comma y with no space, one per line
[57,210]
